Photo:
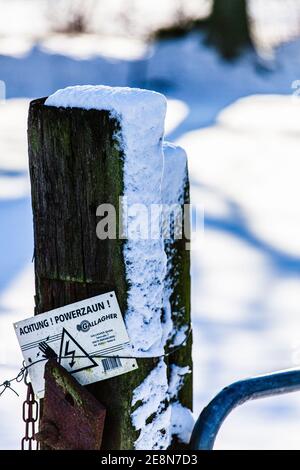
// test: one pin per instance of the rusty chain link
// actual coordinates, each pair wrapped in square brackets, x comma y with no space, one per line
[30,417]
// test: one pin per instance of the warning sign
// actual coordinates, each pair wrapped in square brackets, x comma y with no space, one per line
[72,356]
[86,338]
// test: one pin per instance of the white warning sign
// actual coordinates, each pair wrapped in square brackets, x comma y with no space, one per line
[86,338]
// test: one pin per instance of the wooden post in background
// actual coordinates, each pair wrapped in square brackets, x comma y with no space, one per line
[75,165]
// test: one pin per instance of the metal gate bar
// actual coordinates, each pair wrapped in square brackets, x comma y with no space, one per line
[212,417]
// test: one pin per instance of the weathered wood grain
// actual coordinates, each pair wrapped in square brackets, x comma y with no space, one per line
[75,165]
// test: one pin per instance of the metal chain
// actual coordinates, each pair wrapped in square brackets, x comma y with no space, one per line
[30,417]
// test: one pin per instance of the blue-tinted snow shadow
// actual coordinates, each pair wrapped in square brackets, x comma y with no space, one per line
[235,224]
[40,73]
[15,238]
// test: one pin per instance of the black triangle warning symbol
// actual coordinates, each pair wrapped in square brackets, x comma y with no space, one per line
[69,349]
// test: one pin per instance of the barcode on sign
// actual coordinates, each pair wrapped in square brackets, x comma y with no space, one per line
[110,363]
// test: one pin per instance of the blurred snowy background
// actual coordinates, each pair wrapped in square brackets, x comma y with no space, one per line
[240,125]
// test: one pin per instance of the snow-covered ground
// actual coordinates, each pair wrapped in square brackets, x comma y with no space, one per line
[244,165]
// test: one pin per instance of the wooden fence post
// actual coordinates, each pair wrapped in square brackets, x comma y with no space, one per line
[76,164]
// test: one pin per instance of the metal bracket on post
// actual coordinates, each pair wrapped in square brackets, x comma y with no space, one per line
[72,418]
[212,417]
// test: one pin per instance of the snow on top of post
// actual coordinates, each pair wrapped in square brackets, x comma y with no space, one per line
[128,103]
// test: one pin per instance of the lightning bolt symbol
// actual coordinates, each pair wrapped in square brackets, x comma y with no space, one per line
[70,353]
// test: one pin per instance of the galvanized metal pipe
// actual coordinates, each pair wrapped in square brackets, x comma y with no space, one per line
[212,417]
